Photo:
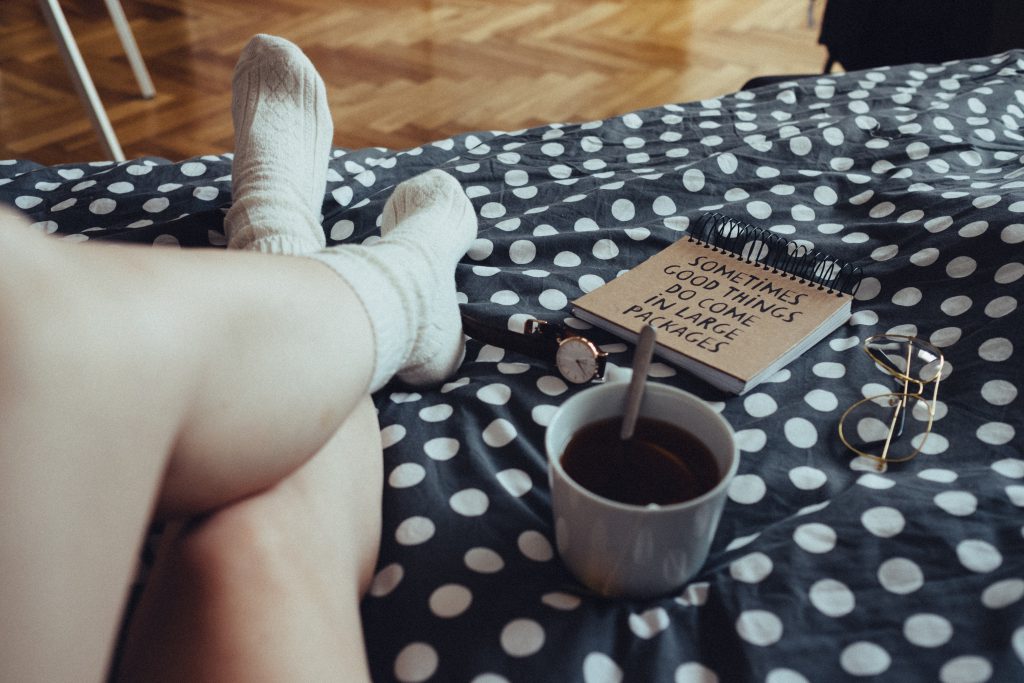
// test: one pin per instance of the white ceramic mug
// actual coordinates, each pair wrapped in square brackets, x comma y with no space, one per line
[617,549]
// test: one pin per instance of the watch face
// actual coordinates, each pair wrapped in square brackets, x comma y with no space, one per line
[577,360]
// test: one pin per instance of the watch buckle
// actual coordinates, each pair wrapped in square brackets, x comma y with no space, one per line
[534,326]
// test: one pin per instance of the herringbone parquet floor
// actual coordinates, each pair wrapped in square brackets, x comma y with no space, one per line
[398,72]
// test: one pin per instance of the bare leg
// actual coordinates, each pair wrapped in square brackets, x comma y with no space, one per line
[217,374]
[268,589]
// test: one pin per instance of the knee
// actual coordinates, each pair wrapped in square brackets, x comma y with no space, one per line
[237,545]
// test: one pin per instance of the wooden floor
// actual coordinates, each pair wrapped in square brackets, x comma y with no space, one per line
[398,72]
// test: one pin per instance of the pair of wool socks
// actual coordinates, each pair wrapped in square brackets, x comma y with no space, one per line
[406,280]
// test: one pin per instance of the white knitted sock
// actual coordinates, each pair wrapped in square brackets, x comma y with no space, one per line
[283,134]
[406,280]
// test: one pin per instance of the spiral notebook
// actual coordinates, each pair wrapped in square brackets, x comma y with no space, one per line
[732,303]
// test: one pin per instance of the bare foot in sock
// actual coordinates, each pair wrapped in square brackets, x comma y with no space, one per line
[283,133]
[406,280]
[432,212]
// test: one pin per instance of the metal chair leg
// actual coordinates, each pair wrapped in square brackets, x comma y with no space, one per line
[81,78]
[131,48]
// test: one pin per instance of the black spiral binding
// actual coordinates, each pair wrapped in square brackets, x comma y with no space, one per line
[763,248]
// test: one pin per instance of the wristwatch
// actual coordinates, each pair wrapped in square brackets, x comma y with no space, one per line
[577,358]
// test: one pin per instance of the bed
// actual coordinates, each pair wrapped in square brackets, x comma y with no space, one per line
[823,569]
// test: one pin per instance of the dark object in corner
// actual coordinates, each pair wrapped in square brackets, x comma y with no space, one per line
[861,34]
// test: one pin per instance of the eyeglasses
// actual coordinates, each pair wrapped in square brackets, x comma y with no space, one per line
[876,427]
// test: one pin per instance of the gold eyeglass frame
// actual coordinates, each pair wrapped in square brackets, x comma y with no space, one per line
[912,388]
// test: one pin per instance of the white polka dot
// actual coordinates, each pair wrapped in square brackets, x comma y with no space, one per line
[815,538]
[26,202]
[978,556]
[436,413]
[883,521]
[193,168]
[492,210]
[416,662]
[800,432]
[664,206]
[386,580]
[966,669]
[406,475]
[821,400]
[832,598]
[1009,467]
[908,296]
[829,370]
[450,600]
[535,546]
[759,209]
[927,630]
[542,414]
[864,659]
[1000,306]
[414,530]
[996,350]
[522,638]
[1016,495]
[483,560]
[650,623]
[956,305]
[900,575]
[605,249]
[522,252]
[120,187]
[1003,593]
[499,433]
[623,210]
[156,204]
[785,676]
[872,480]
[441,448]
[206,193]
[489,678]
[759,627]
[516,482]
[747,489]
[469,502]
[752,568]
[496,394]
[961,267]
[102,206]
[553,299]
[516,177]
[561,601]
[925,257]
[751,440]
[759,405]
[807,478]
[1009,273]
[694,672]
[800,145]
[600,668]
[958,503]
[1018,643]
[391,435]
[825,195]
[996,433]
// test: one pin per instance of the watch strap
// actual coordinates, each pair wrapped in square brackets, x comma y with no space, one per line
[542,346]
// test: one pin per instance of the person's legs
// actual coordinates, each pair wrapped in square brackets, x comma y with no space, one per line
[123,370]
[269,588]
[135,378]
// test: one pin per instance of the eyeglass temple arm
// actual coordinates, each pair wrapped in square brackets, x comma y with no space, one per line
[899,413]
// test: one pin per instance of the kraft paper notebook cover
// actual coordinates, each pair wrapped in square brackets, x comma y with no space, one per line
[730,302]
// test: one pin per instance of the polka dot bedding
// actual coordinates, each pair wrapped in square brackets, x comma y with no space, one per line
[823,569]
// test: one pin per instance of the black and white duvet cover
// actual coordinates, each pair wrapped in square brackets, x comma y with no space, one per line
[822,568]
